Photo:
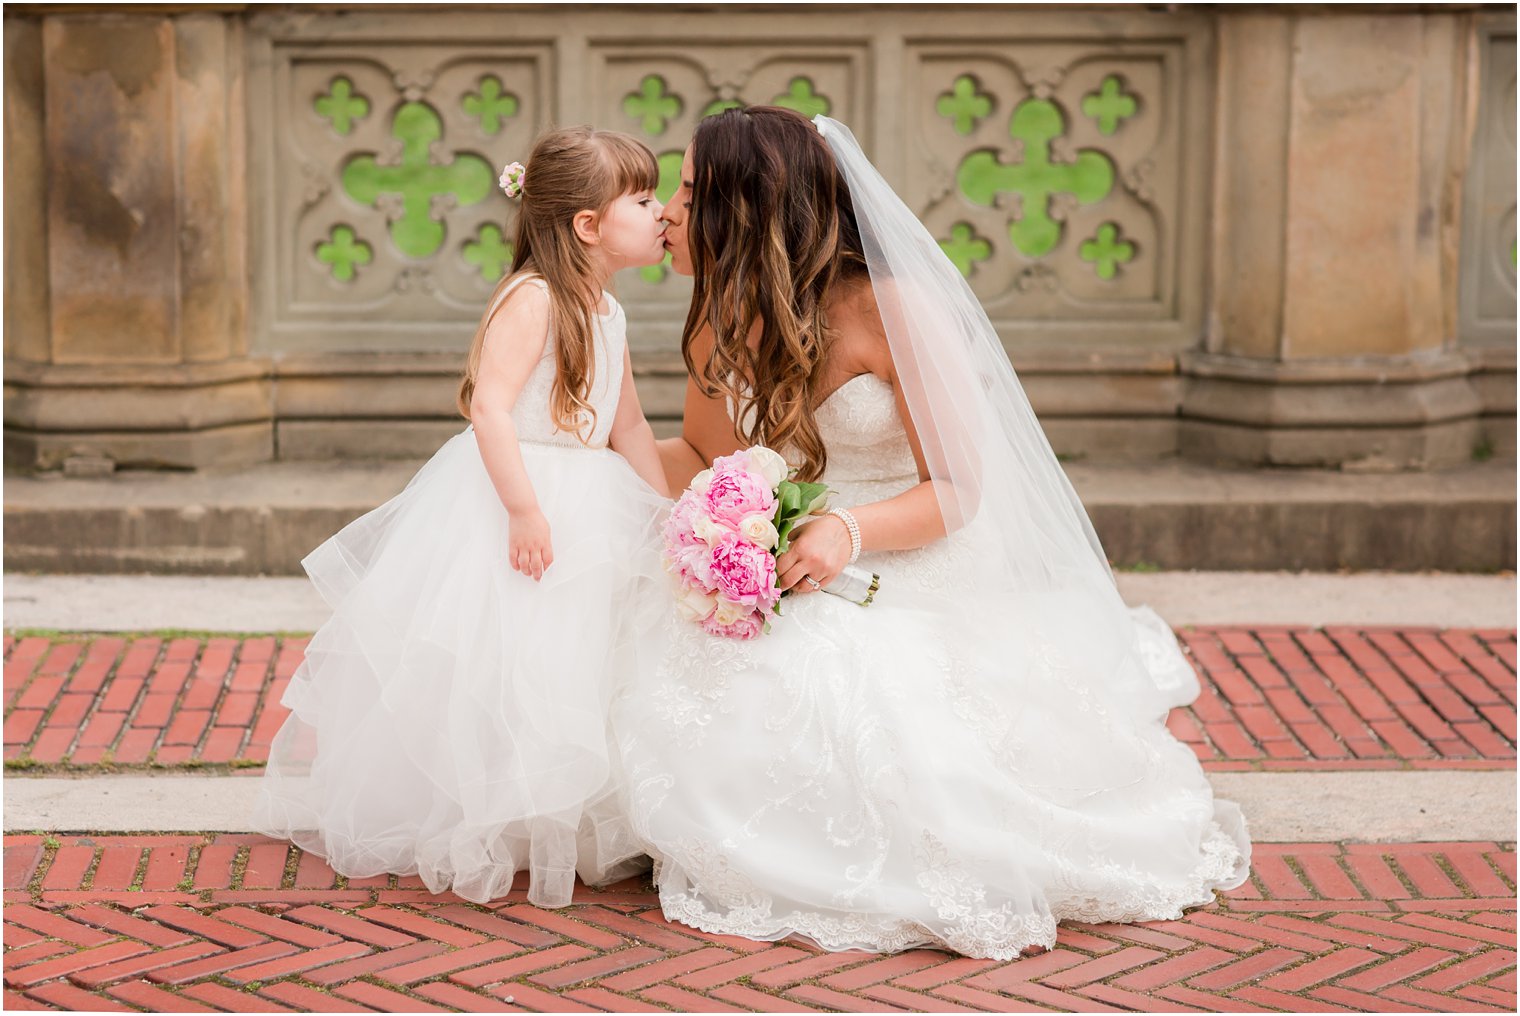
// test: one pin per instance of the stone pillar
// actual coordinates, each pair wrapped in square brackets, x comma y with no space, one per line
[1340,150]
[126,270]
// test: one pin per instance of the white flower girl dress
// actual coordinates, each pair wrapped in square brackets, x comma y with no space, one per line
[450,719]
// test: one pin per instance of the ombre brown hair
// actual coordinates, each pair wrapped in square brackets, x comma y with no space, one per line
[772,232]
[570,170]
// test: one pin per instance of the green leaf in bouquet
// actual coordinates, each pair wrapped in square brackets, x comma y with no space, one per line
[812,496]
[790,496]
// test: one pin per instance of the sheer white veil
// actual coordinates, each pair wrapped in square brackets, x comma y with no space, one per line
[993,469]
[1027,553]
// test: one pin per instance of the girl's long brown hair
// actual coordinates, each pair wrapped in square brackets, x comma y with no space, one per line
[570,170]
[772,231]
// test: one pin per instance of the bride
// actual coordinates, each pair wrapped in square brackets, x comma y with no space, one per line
[982,751]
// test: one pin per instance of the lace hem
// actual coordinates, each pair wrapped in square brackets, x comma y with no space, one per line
[970,928]
[849,934]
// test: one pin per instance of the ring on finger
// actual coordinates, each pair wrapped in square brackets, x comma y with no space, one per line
[813,582]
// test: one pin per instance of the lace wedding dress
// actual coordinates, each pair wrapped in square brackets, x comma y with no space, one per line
[937,768]
[450,720]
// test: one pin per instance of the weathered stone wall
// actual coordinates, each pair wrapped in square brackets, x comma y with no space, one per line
[1279,237]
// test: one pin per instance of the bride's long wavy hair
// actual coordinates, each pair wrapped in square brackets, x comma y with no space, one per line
[772,233]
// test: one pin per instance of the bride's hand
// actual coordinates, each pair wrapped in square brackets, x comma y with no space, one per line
[819,550]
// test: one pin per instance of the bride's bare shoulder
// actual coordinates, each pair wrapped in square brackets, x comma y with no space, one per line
[855,317]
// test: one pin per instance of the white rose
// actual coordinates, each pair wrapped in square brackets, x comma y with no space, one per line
[702,481]
[707,530]
[728,612]
[695,604]
[757,529]
[768,464]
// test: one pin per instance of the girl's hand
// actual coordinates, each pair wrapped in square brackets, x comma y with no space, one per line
[819,550]
[528,548]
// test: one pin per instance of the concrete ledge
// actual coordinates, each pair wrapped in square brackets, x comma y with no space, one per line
[238,603]
[1362,807]
[1172,515]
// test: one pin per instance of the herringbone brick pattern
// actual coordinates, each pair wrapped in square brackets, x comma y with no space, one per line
[1273,698]
[242,923]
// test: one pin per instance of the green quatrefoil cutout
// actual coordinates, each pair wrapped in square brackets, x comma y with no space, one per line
[964,105]
[490,104]
[1109,105]
[801,97]
[1106,251]
[1036,122]
[489,252]
[965,248]
[343,253]
[655,274]
[341,106]
[652,105]
[670,175]
[719,105]
[417,180]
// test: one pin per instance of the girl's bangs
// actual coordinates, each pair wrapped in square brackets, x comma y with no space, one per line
[633,165]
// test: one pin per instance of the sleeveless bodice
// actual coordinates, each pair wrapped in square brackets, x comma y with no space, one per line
[531,414]
[869,458]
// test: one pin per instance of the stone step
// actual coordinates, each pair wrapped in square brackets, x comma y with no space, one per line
[1170,515]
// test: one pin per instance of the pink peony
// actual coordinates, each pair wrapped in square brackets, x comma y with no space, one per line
[738,462]
[686,554]
[736,493]
[747,627]
[680,524]
[744,573]
[692,564]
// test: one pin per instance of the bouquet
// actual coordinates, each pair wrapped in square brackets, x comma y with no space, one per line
[724,534]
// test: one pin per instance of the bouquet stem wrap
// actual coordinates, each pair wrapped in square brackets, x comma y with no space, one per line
[855,584]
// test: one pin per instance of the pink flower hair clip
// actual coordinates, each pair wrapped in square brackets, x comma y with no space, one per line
[512,179]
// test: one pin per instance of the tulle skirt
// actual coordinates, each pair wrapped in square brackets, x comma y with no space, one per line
[450,719]
[939,768]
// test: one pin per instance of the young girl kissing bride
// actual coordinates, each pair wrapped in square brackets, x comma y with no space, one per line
[450,719]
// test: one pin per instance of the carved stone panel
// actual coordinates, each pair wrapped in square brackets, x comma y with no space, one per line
[1487,294]
[1063,178]
[380,224]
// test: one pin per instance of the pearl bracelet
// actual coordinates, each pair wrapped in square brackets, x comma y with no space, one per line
[854,529]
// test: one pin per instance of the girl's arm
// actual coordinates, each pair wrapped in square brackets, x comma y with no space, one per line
[513,344]
[632,437]
[707,432]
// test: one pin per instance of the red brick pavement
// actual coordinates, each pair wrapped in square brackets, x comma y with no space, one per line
[240,923]
[1273,698]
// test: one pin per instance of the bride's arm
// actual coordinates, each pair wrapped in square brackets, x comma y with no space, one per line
[706,430]
[908,521]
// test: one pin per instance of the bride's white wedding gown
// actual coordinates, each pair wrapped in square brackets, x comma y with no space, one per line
[933,769]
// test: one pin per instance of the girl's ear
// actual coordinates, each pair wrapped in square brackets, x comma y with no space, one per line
[585,227]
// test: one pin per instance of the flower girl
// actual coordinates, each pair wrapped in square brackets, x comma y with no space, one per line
[450,719]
